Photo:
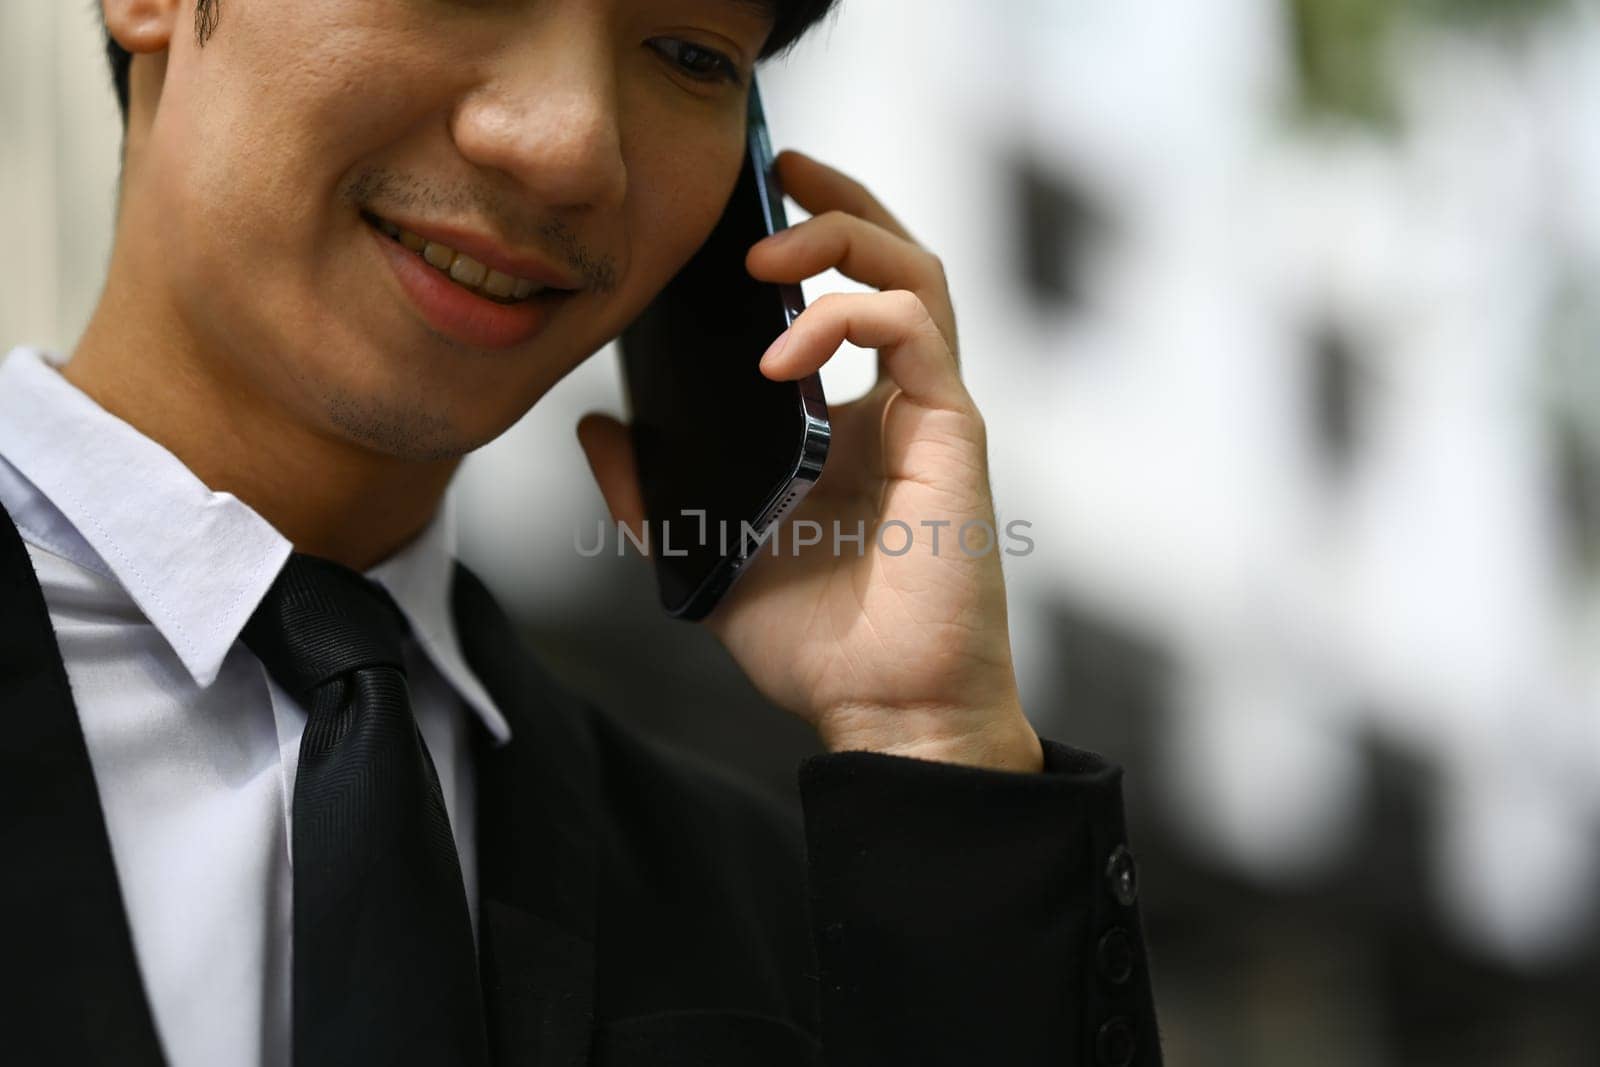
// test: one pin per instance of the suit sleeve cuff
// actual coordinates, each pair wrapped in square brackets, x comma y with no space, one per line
[962,914]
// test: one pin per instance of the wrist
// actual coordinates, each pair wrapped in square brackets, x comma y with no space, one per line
[990,738]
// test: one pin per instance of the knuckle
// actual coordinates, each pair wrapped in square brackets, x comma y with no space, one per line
[909,303]
[916,310]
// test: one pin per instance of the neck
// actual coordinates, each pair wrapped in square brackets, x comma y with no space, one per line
[328,496]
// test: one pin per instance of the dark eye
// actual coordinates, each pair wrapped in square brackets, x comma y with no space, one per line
[699,63]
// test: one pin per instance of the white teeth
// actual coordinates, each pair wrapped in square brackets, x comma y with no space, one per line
[463,269]
[438,255]
[468,271]
[497,284]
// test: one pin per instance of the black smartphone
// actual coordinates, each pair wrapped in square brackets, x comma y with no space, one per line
[723,453]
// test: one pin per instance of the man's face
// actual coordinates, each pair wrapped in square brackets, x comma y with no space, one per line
[592,141]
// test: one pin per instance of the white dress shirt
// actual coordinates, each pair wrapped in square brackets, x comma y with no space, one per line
[149,578]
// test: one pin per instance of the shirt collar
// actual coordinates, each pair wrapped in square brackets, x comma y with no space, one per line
[196,562]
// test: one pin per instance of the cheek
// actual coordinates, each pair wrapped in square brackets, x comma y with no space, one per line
[338,81]
[250,219]
[676,196]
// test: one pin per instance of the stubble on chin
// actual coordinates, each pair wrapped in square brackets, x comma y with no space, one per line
[409,432]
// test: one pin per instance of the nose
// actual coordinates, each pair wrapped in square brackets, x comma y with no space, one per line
[547,117]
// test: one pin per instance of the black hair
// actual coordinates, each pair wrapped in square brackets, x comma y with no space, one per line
[792,19]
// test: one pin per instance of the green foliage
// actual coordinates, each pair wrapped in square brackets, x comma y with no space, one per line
[1340,45]
[1483,11]
[1339,50]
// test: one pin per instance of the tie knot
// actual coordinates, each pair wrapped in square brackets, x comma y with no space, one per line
[321,620]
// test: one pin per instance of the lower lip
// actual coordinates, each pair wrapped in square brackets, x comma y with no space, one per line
[459,314]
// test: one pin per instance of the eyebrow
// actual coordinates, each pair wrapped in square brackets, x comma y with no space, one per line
[766,9]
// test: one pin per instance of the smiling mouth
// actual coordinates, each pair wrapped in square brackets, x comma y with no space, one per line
[461,268]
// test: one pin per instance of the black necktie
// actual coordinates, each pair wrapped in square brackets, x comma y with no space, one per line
[385,969]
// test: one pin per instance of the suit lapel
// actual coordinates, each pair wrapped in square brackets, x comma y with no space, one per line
[536,852]
[70,990]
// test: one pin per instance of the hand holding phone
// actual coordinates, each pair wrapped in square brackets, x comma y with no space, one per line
[894,640]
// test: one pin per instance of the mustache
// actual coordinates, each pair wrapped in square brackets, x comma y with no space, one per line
[374,188]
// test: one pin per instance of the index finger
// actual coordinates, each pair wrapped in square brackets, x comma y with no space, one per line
[820,188]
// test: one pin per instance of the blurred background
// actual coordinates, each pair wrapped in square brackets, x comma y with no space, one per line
[1284,314]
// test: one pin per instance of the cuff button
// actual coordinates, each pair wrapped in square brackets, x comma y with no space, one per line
[1114,956]
[1115,1045]
[1123,876]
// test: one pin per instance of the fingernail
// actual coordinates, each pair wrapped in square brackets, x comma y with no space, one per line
[773,350]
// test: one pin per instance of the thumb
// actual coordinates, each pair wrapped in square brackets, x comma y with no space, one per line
[609,449]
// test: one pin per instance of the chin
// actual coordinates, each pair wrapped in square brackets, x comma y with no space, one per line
[404,429]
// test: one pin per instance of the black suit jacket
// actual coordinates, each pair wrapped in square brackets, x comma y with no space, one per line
[639,909]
